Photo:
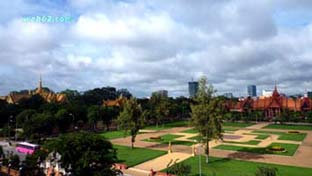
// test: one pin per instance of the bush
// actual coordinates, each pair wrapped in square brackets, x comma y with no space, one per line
[266,171]
[179,169]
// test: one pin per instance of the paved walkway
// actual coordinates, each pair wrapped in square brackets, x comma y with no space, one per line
[302,158]
[161,163]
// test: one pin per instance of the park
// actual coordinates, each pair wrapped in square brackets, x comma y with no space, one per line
[245,146]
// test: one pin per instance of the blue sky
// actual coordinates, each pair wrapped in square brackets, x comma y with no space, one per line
[147,45]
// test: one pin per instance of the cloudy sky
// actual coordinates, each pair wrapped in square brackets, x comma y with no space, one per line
[149,45]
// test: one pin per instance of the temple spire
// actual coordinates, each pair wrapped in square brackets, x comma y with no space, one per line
[40,84]
[275,92]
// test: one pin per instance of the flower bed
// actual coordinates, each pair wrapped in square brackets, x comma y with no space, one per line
[294,132]
[276,149]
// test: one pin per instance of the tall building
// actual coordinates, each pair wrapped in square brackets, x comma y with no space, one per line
[309,93]
[228,95]
[252,90]
[161,93]
[193,88]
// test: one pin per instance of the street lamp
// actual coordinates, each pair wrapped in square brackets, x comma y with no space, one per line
[199,158]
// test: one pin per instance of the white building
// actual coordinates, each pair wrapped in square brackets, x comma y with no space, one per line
[267,93]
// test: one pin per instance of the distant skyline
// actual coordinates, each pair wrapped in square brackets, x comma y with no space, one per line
[146,46]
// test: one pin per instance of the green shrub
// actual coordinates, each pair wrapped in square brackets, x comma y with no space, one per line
[179,169]
[266,171]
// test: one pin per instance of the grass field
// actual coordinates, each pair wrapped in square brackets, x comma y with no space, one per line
[262,136]
[285,136]
[192,130]
[114,134]
[251,142]
[231,167]
[237,124]
[291,149]
[132,157]
[170,137]
[289,127]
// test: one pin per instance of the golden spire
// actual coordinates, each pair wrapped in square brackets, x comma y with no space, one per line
[40,84]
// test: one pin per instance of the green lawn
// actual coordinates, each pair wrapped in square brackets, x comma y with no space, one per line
[285,136]
[237,124]
[132,157]
[114,134]
[289,127]
[192,130]
[231,167]
[169,125]
[262,136]
[251,142]
[291,149]
[170,137]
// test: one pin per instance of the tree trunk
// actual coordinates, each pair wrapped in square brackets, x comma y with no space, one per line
[207,151]
[107,126]
[132,141]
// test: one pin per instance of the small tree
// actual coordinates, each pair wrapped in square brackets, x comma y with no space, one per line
[131,118]
[207,114]
[93,115]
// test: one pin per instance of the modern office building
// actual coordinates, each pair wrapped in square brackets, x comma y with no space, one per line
[252,90]
[161,93]
[193,88]
[309,93]
[228,95]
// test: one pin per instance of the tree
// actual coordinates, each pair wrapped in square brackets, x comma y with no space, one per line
[63,120]
[131,118]
[87,153]
[124,93]
[160,108]
[107,114]
[24,116]
[207,114]
[93,115]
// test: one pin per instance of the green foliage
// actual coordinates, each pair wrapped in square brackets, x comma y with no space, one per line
[266,171]
[87,153]
[207,114]
[160,108]
[39,125]
[131,118]
[63,120]
[93,115]
[179,169]
[107,114]
[24,116]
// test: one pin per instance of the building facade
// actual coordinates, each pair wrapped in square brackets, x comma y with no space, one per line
[252,90]
[193,88]
[272,106]
[45,93]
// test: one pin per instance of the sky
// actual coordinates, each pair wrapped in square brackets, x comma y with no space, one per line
[145,45]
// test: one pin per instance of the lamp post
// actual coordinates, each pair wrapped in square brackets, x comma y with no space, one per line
[199,158]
